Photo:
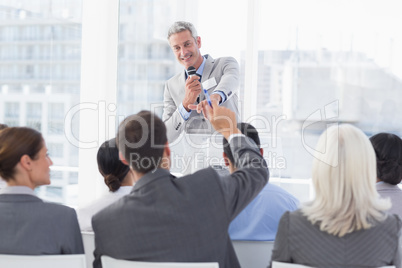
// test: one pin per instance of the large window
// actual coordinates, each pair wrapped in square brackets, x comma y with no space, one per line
[40,51]
[304,64]
[327,61]
[145,61]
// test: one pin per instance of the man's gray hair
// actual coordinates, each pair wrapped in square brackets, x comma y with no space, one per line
[180,26]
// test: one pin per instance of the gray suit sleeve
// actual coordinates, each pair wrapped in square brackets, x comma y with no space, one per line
[229,82]
[241,187]
[171,116]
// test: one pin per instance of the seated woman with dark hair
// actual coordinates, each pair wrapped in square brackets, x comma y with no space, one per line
[30,226]
[347,224]
[118,178]
[388,151]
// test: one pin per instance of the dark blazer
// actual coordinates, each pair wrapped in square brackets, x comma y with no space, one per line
[181,219]
[30,226]
[226,73]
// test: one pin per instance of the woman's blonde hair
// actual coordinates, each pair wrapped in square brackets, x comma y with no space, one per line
[344,177]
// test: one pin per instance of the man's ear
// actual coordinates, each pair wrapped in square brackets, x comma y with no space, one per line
[225,159]
[166,151]
[122,159]
[199,41]
[26,162]
[262,151]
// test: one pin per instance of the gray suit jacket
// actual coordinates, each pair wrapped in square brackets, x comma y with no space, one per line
[226,73]
[181,219]
[30,226]
[299,241]
[394,193]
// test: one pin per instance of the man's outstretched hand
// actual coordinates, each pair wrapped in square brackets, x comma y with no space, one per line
[222,119]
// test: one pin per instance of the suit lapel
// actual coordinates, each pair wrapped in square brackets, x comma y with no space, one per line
[182,81]
[207,68]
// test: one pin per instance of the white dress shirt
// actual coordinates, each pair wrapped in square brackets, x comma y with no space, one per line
[2,183]
[85,213]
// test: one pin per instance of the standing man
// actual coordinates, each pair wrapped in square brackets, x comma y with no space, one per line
[169,219]
[220,77]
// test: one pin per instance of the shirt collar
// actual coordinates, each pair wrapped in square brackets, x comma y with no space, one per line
[17,190]
[123,190]
[200,69]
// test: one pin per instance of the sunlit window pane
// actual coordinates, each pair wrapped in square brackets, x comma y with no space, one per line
[40,50]
[321,62]
[145,59]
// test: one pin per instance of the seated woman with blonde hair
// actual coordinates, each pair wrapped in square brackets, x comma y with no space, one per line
[30,226]
[346,225]
[118,178]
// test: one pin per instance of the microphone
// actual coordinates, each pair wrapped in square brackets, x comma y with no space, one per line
[191,71]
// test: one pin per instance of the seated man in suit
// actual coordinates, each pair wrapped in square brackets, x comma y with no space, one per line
[220,77]
[169,219]
[260,219]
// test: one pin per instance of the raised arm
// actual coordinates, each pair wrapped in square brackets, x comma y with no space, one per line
[241,187]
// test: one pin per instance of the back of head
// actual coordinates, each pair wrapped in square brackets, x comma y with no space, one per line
[344,179]
[141,140]
[180,26]
[14,143]
[3,126]
[249,131]
[112,169]
[388,151]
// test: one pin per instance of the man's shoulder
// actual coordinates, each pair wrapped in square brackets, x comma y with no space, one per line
[278,197]
[220,59]
[271,188]
[200,176]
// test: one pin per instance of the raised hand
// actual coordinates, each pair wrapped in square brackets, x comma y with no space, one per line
[192,90]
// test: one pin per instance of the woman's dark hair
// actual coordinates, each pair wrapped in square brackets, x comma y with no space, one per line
[14,143]
[110,166]
[388,151]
